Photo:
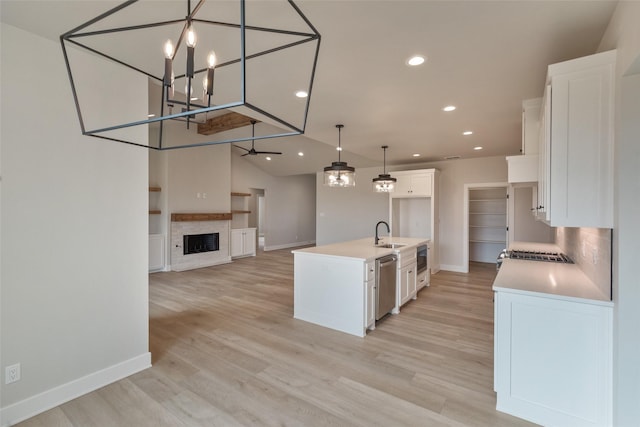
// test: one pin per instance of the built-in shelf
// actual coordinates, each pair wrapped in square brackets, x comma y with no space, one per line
[154,189]
[180,217]
[233,193]
[155,212]
[501,242]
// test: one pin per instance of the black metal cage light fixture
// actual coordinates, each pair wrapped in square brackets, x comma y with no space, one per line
[244,58]
[384,183]
[339,174]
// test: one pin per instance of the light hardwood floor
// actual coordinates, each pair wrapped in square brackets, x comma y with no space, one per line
[227,351]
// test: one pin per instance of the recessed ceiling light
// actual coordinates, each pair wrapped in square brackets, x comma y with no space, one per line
[301,94]
[193,98]
[300,154]
[477,148]
[449,108]
[416,60]
[467,133]
[416,155]
[268,158]
[339,148]
[151,115]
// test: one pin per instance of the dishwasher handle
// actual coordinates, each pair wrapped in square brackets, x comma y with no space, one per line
[387,261]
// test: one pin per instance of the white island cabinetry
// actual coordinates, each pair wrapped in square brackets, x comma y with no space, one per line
[407,278]
[335,285]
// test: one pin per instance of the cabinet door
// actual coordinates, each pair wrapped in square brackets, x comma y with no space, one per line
[421,185]
[403,185]
[249,241]
[237,240]
[553,360]
[370,314]
[411,282]
[581,149]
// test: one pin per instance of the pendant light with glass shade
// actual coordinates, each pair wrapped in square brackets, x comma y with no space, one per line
[339,174]
[384,183]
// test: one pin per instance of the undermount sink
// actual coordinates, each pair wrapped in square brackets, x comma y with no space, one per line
[392,245]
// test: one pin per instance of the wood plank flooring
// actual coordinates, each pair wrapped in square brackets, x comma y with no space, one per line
[227,352]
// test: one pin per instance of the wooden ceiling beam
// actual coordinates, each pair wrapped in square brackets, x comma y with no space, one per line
[223,123]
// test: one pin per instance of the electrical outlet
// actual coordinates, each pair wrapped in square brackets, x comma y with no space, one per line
[12,374]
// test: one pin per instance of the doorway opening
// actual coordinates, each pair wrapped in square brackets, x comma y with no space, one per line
[485,223]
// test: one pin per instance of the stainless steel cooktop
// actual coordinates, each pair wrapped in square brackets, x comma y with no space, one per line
[540,256]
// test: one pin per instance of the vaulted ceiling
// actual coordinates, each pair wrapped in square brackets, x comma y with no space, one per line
[484,57]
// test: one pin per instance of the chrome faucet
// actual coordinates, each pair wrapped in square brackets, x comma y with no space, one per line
[388,230]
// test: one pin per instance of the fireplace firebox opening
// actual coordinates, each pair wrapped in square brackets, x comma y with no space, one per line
[198,243]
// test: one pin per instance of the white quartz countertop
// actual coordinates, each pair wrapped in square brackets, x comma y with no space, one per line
[553,280]
[363,249]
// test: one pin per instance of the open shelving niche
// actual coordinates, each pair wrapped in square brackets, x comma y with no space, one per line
[154,201]
[240,209]
[487,223]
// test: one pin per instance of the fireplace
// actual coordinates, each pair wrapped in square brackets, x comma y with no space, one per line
[198,243]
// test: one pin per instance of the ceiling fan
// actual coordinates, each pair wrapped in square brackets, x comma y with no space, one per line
[253,151]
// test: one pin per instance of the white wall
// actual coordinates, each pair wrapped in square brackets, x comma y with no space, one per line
[74,284]
[623,33]
[290,203]
[349,213]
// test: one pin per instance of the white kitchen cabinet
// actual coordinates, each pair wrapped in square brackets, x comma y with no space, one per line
[156,252]
[406,277]
[576,148]
[413,184]
[530,126]
[370,296]
[243,242]
[415,213]
[422,280]
[407,283]
[553,359]
[524,168]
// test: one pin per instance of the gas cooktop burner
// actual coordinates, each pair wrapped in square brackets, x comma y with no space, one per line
[540,256]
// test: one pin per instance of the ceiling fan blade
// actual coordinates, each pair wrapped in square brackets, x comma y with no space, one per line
[242,148]
[268,152]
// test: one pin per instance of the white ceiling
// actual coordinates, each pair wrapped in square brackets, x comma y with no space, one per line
[485,57]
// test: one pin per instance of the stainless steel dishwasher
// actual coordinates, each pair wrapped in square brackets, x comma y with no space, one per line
[385,285]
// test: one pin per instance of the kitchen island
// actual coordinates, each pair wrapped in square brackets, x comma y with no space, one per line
[553,342]
[334,285]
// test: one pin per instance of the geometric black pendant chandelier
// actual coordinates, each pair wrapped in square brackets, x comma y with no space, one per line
[176,74]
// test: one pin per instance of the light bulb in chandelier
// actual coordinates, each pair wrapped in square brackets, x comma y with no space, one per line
[211,62]
[168,63]
[212,59]
[168,49]
[191,39]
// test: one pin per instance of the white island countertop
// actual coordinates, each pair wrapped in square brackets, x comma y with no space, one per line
[363,249]
[547,279]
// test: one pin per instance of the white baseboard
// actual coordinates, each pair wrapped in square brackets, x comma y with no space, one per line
[454,268]
[46,400]
[289,245]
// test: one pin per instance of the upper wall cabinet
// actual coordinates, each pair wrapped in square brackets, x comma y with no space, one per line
[575,179]
[413,183]
[524,168]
